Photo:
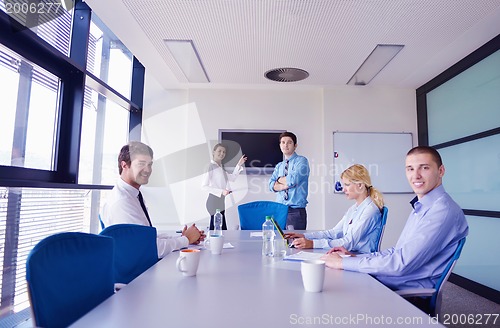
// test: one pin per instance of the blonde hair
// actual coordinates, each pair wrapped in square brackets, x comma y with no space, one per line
[357,173]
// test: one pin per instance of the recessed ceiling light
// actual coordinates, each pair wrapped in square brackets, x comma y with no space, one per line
[286,74]
[188,59]
[374,63]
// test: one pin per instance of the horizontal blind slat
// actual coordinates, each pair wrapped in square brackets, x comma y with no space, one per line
[41,213]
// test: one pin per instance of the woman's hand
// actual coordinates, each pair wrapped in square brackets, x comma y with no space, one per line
[289,235]
[303,243]
[242,160]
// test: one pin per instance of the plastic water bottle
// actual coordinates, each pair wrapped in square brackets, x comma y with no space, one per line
[217,223]
[267,237]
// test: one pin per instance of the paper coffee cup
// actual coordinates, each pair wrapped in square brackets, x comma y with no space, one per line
[313,275]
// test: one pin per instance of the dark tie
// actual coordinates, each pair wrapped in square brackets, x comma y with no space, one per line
[285,174]
[141,200]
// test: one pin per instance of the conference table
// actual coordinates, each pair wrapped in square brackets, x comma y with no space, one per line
[241,288]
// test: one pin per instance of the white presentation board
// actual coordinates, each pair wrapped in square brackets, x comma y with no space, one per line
[383,154]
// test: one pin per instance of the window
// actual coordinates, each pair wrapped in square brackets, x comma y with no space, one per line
[108,58]
[54,112]
[29,112]
[49,19]
[104,132]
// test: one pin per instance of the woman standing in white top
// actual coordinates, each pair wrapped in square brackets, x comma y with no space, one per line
[216,182]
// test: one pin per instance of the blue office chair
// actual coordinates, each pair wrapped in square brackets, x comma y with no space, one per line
[68,274]
[135,250]
[385,210]
[435,294]
[253,214]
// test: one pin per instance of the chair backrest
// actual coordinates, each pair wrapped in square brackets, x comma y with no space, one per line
[435,301]
[253,214]
[385,210]
[68,274]
[135,250]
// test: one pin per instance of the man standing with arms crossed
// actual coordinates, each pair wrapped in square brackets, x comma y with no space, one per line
[290,180]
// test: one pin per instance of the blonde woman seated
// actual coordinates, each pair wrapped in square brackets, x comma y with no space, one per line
[359,229]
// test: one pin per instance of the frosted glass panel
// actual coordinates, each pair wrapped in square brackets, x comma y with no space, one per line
[467,104]
[472,174]
[479,260]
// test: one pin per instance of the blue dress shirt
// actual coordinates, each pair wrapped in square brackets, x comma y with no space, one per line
[297,180]
[427,243]
[358,230]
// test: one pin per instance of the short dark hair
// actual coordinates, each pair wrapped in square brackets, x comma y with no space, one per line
[427,150]
[289,134]
[131,149]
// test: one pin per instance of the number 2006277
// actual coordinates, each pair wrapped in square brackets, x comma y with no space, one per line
[469,319]
[32,8]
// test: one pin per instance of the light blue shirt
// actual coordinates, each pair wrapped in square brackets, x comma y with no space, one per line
[427,243]
[358,230]
[297,180]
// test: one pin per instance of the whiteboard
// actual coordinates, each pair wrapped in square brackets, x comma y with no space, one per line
[383,154]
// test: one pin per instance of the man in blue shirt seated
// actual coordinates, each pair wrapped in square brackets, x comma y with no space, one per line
[429,238]
[290,180]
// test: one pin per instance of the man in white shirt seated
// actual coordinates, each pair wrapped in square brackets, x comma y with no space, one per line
[126,205]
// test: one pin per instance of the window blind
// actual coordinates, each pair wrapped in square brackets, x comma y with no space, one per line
[54,28]
[34,214]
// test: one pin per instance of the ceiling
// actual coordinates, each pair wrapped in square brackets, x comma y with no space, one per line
[239,40]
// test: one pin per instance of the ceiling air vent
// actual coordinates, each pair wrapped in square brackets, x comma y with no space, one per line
[286,74]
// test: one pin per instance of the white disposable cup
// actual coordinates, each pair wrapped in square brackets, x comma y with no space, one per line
[188,261]
[313,275]
[215,243]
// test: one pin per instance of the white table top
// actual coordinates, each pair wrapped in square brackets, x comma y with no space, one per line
[241,288]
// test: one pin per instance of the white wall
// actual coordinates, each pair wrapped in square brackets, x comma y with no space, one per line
[182,126]
[355,109]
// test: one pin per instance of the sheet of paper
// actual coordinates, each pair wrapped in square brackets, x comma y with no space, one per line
[256,234]
[301,256]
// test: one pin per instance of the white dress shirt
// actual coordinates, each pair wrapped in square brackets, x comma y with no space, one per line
[123,206]
[216,180]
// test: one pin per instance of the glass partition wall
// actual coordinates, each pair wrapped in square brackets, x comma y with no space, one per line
[459,114]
